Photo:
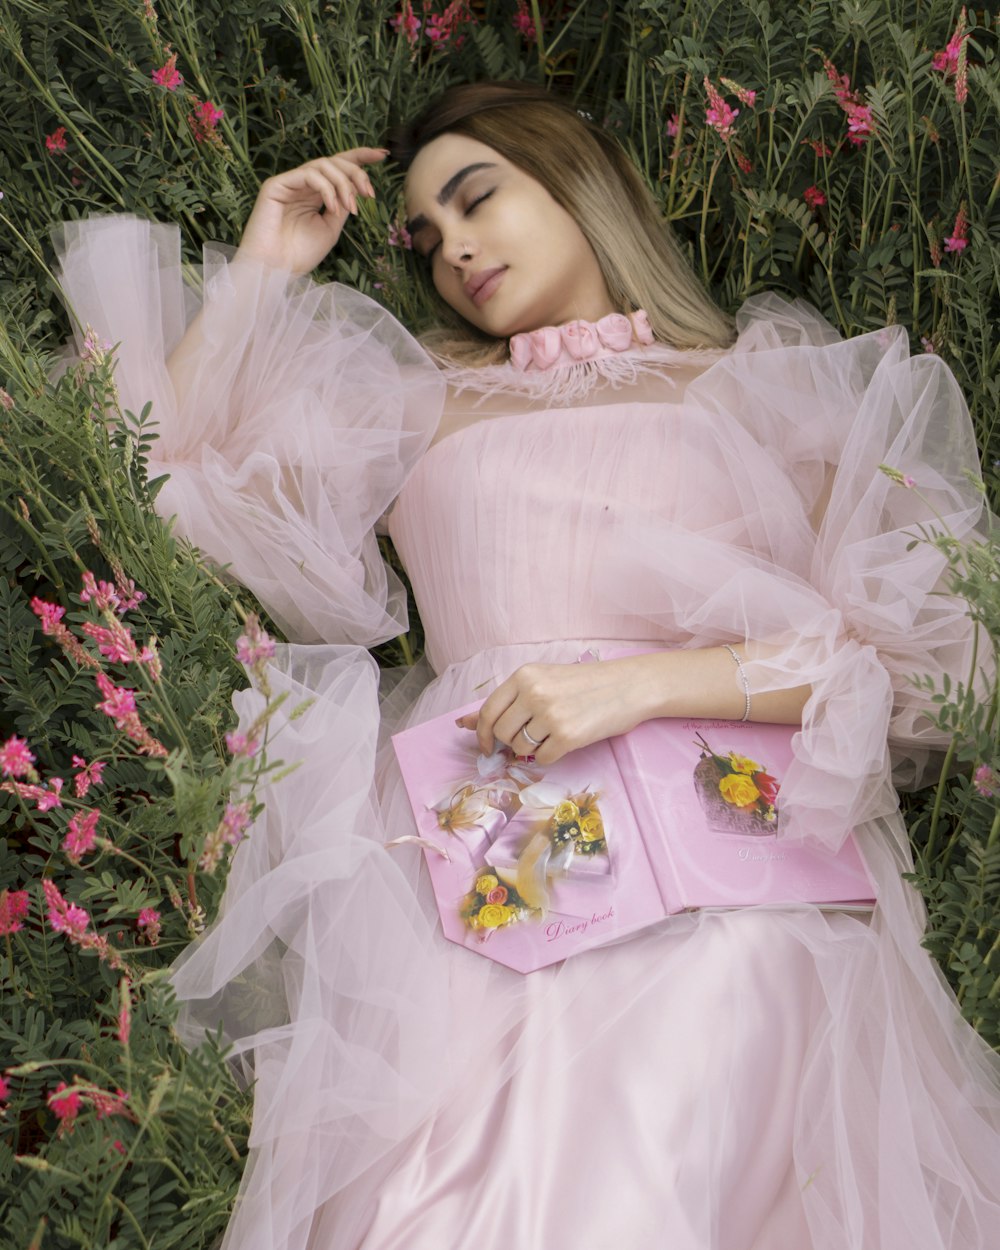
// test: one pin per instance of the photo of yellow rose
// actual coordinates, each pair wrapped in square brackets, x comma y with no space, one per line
[492,916]
[738,789]
[565,812]
[485,883]
[591,827]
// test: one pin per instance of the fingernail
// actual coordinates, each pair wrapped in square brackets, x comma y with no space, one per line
[458,722]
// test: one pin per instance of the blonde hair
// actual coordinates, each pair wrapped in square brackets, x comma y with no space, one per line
[587,173]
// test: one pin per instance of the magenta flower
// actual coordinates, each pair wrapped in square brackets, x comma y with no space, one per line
[81,835]
[149,922]
[952,60]
[985,781]
[959,239]
[204,120]
[441,27]
[814,197]
[15,758]
[167,75]
[673,126]
[119,703]
[44,797]
[64,1103]
[115,642]
[4,1089]
[56,142]
[524,23]
[125,1015]
[62,916]
[50,614]
[106,595]
[90,775]
[399,236]
[818,146]
[407,23]
[13,909]
[239,745]
[719,115]
[860,124]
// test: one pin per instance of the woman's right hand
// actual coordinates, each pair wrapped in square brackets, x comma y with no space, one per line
[299,215]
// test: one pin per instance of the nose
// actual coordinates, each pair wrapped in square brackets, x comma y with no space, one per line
[457,249]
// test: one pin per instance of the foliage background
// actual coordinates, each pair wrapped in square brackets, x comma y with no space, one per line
[86,129]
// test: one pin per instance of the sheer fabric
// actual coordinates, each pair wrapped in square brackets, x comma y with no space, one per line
[747,1080]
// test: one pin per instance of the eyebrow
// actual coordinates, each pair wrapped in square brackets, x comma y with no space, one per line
[446,193]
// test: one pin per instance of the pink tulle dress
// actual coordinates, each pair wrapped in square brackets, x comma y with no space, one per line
[758,1079]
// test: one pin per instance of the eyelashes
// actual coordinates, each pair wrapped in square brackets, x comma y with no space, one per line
[428,256]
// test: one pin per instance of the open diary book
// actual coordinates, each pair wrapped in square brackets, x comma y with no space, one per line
[531,865]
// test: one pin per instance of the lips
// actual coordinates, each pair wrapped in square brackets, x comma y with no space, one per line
[480,286]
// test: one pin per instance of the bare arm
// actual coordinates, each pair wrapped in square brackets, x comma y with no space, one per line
[296,220]
[567,706]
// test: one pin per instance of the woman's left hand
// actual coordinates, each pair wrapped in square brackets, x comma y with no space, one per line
[563,706]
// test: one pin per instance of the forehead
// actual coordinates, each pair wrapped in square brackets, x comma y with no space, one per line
[437,162]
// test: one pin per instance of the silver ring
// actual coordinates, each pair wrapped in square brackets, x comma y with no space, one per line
[535,742]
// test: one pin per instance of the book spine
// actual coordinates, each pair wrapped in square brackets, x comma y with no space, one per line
[650,820]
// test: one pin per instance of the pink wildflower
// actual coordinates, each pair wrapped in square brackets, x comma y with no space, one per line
[115,642]
[254,646]
[985,781]
[745,96]
[4,1089]
[860,124]
[149,921]
[204,120]
[742,160]
[524,23]
[441,27]
[818,146]
[814,197]
[62,916]
[56,141]
[51,616]
[407,23]
[89,775]
[94,348]
[235,821]
[106,1103]
[168,75]
[119,703]
[959,239]
[673,126]
[953,60]
[81,834]
[927,344]
[150,658]
[719,115]
[239,745]
[117,1146]
[64,1103]
[399,236]
[44,797]
[129,598]
[13,909]
[6,401]
[15,758]
[104,594]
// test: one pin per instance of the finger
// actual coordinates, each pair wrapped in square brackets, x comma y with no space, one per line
[354,173]
[326,192]
[492,710]
[341,183]
[468,721]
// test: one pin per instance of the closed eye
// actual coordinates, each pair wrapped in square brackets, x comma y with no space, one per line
[470,209]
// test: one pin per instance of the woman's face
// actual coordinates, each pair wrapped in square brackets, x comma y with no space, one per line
[502,252]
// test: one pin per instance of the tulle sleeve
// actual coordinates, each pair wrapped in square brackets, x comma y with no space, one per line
[286,430]
[826,557]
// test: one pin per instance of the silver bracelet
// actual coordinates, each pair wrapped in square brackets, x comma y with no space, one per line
[743,679]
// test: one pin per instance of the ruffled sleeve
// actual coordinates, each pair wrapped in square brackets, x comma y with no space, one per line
[286,430]
[825,558]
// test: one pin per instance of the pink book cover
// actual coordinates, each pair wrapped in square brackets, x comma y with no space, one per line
[531,865]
